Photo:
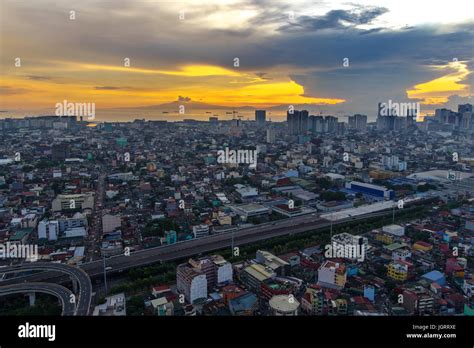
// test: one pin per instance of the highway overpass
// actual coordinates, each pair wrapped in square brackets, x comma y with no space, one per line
[81,282]
[296,225]
[61,292]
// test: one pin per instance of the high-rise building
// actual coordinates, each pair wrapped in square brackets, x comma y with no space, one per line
[260,117]
[462,108]
[466,114]
[197,277]
[218,271]
[448,120]
[358,122]
[191,282]
[297,122]
[271,135]
[317,124]
[341,128]
[388,120]
[331,124]
[392,123]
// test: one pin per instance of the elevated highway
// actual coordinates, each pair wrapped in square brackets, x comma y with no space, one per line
[81,281]
[61,292]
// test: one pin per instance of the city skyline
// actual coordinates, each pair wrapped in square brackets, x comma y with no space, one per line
[335,58]
[164,160]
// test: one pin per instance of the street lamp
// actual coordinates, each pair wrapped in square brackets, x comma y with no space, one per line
[105,275]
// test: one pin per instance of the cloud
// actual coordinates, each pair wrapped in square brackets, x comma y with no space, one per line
[195,56]
[9,90]
[109,88]
[455,100]
[336,19]
[38,78]
[184,99]
[263,76]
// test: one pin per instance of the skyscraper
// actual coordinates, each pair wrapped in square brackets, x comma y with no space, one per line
[358,122]
[260,117]
[271,135]
[467,118]
[297,122]
[317,124]
[387,119]
[331,124]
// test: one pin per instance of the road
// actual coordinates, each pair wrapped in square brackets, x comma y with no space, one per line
[62,293]
[83,300]
[95,231]
[185,249]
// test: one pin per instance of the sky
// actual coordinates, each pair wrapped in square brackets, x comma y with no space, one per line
[288,53]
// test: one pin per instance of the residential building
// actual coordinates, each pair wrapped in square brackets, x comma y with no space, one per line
[260,117]
[284,305]
[110,223]
[191,282]
[200,231]
[332,274]
[73,202]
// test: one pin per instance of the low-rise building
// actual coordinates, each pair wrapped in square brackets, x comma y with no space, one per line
[162,307]
[72,202]
[332,274]
[277,265]
[284,305]
[254,275]
[113,306]
[200,231]
[398,270]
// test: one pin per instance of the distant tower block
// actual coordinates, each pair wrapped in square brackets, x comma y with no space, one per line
[260,117]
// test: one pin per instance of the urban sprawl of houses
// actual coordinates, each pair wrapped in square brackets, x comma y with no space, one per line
[348,218]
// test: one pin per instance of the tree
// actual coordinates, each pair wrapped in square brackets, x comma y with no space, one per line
[333,196]
[135,305]
[324,183]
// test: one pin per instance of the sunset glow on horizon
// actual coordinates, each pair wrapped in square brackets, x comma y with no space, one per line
[288,61]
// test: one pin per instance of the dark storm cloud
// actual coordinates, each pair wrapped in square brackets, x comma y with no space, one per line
[336,19]
[327,50]
[153,39]
[383,62]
